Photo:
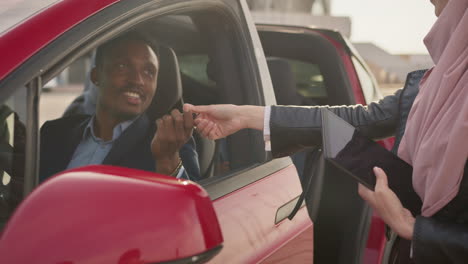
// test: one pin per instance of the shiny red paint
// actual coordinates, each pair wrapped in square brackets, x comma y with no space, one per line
[24,40]
[374,251]
[387,143]
[247,219]
[350,70]
[103,214]
[354,79]
[299,247]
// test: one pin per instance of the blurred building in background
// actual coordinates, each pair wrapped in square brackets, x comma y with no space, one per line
[315,13]
[389,69]
[317,7]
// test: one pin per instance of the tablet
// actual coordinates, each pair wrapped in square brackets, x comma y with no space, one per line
[356,155]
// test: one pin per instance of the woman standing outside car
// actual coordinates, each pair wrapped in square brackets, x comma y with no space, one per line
[429,118]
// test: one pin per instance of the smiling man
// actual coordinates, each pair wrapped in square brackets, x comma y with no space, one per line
[120,133]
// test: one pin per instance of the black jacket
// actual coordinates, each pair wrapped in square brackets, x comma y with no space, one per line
[442,238]
[60,138]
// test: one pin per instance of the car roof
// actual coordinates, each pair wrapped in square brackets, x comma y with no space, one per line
[14,11]
[330,34]
[29,25]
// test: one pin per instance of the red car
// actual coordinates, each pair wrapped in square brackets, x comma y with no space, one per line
[238,212]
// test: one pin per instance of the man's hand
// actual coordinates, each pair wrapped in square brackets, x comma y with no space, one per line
[173,131]
[218,121]
[387,205]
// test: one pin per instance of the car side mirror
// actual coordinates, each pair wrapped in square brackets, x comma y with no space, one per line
[105,214]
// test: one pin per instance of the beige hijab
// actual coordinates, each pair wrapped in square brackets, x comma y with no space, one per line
[436,136]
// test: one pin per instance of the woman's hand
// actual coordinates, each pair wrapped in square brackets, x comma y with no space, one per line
[219,121]
[173,131]
[387,205]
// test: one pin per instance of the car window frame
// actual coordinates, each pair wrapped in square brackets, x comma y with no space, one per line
[337,94]
[368,97]
[224,184]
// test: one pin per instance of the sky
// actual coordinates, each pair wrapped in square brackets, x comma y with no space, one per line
[398,26]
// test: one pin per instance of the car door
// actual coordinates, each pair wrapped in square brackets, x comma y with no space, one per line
[319,67]
[253,195]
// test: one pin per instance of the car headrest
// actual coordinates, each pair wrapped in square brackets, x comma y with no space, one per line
[284,82]
[169,85]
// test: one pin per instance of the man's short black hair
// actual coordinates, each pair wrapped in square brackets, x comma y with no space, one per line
[103,50]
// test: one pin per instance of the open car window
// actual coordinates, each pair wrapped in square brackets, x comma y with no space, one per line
[209,69]
[317,65]
[59,92]
[309,80]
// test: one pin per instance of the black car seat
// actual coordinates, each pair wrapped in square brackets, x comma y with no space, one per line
[284,82]
[169,96]
[169,90]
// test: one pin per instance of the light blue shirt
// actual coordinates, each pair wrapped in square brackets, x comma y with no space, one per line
[93,150]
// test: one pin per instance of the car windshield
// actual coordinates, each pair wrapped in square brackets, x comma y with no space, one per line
[13,12]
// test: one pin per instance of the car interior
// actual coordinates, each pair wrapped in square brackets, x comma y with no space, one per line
[313,71]
[319,74]
[193,71]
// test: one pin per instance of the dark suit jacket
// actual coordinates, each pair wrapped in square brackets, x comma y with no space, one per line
[60,138]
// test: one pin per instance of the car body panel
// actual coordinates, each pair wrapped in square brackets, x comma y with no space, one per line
[247,218]
[298,247]
[372,251]
[110,213]
[16,11]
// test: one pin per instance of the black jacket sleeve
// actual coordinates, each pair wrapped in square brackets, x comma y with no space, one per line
[439,242]
[294,128]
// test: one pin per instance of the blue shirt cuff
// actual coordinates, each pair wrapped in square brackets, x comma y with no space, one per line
[180,174]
